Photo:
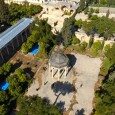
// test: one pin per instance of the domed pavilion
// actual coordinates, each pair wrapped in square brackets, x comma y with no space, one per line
[58,62]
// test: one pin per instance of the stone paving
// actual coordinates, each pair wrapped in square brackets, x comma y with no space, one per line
[85,71]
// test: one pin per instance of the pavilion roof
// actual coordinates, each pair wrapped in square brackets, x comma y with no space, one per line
[59,60]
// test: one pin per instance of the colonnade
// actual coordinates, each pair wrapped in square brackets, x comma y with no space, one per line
[58,71]
[14,43]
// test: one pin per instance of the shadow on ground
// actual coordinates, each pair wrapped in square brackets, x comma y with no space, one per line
[62,88]
[16,65]
[46,100]
[61,105]
[80,112]
[28,72]
[72,61]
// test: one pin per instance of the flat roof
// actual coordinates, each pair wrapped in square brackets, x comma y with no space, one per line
[14,30]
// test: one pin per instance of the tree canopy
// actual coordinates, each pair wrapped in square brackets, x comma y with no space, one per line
[40,33]
[18,11]
[101,25]
[111,54]
[105,98]
[67,30]
[109,2]
[17,82]
[36,106]
[4,12]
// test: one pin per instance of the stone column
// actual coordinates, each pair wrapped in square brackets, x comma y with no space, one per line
[52,71]
[22,38]
[49,68]
[58,74]
[17,40]
[26,33]
[1,55]
[12,44]
[7,50]
[65,72]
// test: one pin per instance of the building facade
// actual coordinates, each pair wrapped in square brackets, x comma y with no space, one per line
[12,38]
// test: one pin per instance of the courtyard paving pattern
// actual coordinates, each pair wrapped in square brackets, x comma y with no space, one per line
[73,94]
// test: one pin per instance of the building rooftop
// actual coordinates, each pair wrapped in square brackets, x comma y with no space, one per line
[59,60]
[13,31]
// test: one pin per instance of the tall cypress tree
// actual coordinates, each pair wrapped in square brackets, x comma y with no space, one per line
[81,5]
[4,12]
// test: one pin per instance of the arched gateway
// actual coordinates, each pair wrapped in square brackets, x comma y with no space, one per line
[57,62]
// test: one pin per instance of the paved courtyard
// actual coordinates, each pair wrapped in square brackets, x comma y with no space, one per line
[73,94]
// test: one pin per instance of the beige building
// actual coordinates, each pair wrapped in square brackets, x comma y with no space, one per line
[24,1]
[37,1]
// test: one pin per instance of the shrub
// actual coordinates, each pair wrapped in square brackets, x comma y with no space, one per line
[89,15]
[105,67]
[83,46]
[75,40]
[97,10]
[107,47]
[91,10]
[67,13]
[25,48]
[94,17]
[97,46]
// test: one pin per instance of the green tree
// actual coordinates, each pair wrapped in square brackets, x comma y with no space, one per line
[86,10]
[38,107]
[18,11]
[5,69]
[3,96]
[81,5]
[25,48]
[3,109]
[91,40]
[67,30]
[100,25]
[14,87]
[105,97]
[110,2]
[78,23]
[87,2]
[17,82]
[42,54]
[107,14]
[4,12]
[107,47]
[103,42]
[111,54]
[21,75]
[41,33]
